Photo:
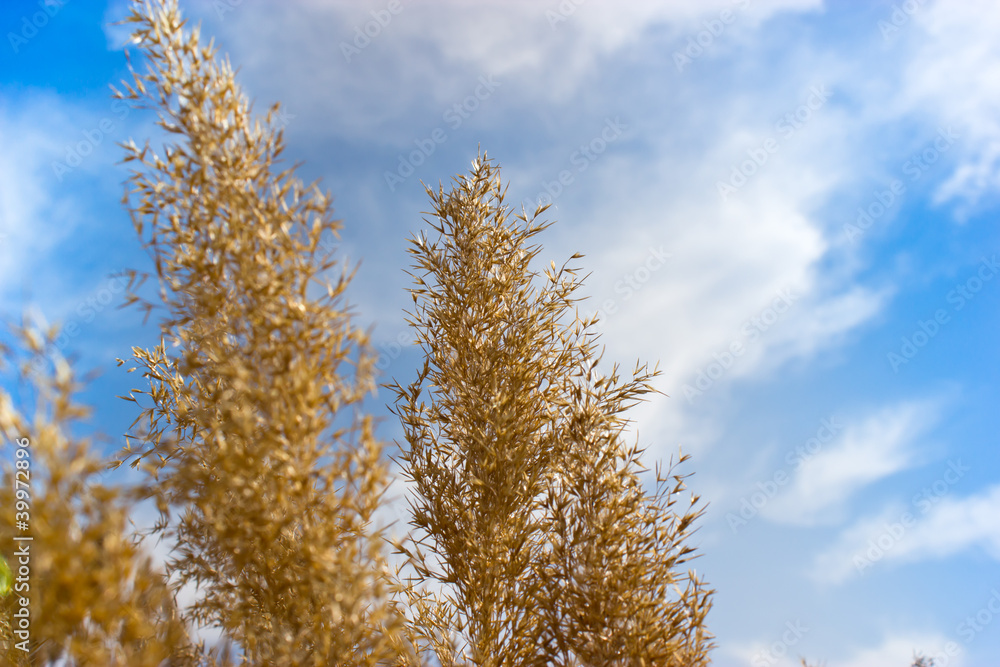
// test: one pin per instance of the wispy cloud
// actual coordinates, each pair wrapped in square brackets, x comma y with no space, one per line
[954,74]
[898,649]
[893,649]
[868,451]
[28,228]
[932,525]
[56,152]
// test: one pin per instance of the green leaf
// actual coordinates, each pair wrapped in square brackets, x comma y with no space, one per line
[6,578]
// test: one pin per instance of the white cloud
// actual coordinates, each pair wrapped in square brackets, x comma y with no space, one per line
[423,59]
[778,650]
[953,74]
[894,650]
[28,226]
[866,452]
[730,261]
[956,525]
[898,649]
[932,526]
[848,557]
[57,152]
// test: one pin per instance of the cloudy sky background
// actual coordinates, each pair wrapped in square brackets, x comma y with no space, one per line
[834,379]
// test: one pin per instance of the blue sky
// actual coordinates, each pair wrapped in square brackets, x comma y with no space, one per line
[790,204]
